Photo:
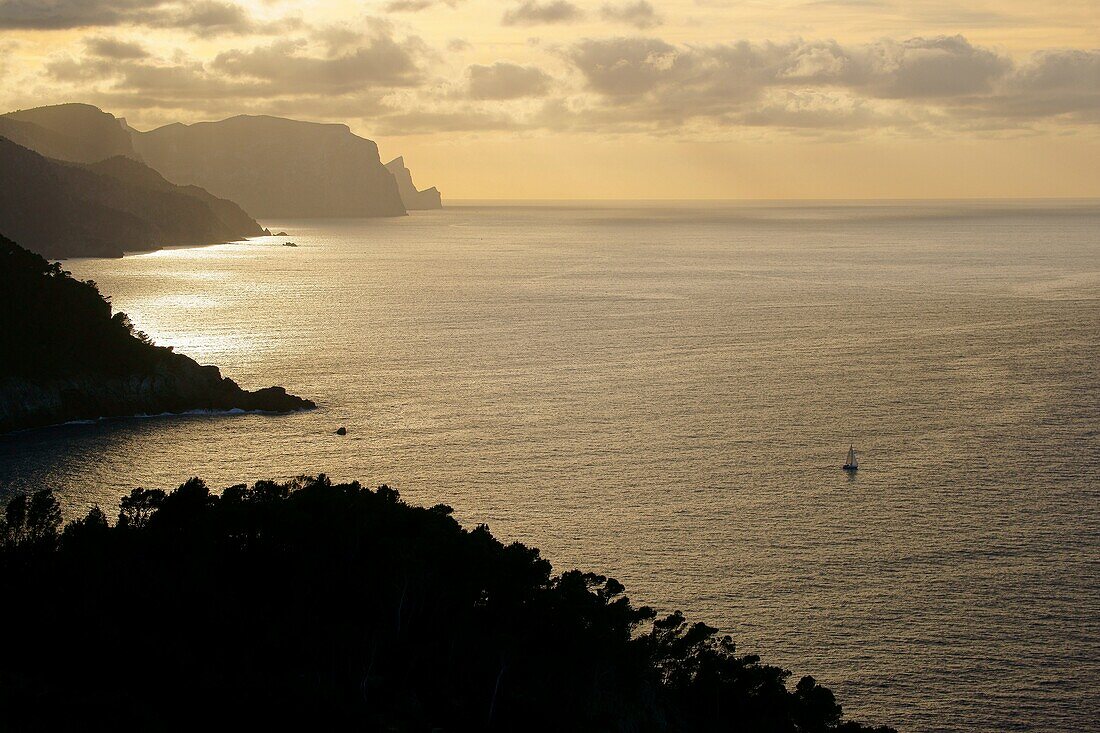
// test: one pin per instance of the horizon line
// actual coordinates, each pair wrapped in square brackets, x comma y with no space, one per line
[890,199]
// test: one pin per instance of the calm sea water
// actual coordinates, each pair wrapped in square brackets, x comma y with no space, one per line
[665,395]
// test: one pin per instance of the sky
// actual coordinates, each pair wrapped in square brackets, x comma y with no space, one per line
[615,99]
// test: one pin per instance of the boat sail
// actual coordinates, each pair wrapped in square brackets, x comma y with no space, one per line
[851,463]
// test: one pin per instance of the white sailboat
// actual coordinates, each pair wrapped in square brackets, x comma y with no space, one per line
[851,463]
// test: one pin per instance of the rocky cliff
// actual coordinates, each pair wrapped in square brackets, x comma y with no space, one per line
[67,357]
[429,198]
[176,386]
[275,167]
[79,133]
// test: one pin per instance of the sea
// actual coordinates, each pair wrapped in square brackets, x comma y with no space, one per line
[664,392]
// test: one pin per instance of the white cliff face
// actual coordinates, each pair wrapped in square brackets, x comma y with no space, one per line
[429,198]
[275,167]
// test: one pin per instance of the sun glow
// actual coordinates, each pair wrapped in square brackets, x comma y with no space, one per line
[568,100]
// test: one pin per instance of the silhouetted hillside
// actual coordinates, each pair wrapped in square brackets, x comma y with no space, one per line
[66,357]
[270,165]
[309,605]
[275,167]
[78,133]
[102,210]
[429,198]
[132,171]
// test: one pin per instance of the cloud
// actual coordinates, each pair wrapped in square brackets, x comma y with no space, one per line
[322,66]
[415,6]
[338,38]
[532,12]
[153,81]
[931,67]
[1060,70]
[625,66]
[8,47]
[379,60]
[951,73]
[918,82]
[206,16]
[814,110]
[916,68]
[505,80]
[627,84]
[1052,83]
[408,6]
[428,121]
[113,48]
[730,73]
[639,14]
[55,14]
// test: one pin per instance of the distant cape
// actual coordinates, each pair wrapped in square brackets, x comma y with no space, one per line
[275,167]
[76,181]
[429,198]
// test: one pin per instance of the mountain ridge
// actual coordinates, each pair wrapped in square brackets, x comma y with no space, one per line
[276,167]
[74,132]
[63,209]
[100,187]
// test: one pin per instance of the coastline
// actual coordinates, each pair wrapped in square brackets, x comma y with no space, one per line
[198,412]
[178,387]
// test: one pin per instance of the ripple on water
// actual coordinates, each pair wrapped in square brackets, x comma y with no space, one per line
[664,396]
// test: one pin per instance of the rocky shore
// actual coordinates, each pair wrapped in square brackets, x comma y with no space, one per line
[179,385]
[68,357]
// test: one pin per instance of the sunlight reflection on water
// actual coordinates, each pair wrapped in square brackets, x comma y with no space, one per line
[665,395]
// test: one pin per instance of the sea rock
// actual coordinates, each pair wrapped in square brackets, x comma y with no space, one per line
[429,198]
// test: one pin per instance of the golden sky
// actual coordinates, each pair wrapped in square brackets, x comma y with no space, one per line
[612,99]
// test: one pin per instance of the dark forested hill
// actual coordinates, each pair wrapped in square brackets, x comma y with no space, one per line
[61,209]
[313,606]
[66,357]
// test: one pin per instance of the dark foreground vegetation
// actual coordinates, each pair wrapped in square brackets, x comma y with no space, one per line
[67,357]
[334,607]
